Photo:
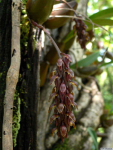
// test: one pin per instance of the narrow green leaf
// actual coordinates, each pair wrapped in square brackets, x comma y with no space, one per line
[86,61]
[100,22]
[106,13]
[94,136]
[71,35]
[108,64]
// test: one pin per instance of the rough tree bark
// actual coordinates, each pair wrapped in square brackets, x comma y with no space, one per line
[34,90]
[12,78]
[107,142]
[5,52]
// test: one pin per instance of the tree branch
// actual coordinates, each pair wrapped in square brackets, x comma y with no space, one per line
[12,78]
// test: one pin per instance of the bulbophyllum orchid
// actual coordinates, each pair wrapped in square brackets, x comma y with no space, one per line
[63,97]
[82,34]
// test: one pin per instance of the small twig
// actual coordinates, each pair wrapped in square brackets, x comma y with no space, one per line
[101,134]
[48,34]
[83,76]
[63,9]
[84,16]
[75,17]
[67,4]
[104,55]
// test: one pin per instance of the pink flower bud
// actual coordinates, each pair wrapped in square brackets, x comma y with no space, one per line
[71,97]
[60,108]
[63,131]
[63,88]
[57,83]
[69,57]
[71,73]
[72,117]
[59,62]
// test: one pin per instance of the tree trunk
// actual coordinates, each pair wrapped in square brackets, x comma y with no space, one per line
[107,142]
[12,78]
[5,52]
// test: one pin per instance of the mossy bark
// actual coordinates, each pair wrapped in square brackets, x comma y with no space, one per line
[5,52]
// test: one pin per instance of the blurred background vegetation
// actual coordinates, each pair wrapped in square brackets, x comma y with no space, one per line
[101,42]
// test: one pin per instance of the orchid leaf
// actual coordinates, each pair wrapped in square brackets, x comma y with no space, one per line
[99,22]
[107,64]
[106,13]
[70,36]
[86,61]
[94,137]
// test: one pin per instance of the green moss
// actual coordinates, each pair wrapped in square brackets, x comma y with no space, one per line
[72,131]
[24,1]
[16,119]
[63,145]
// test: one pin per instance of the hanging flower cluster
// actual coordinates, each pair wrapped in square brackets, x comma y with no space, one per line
[63,97]
[82,34]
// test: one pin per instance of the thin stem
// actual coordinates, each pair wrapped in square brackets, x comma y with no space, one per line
[74,17]
[71,9]
[54,43]
[89,20]
[67,3]
[48,34]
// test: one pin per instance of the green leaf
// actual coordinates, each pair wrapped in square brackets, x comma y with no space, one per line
[86,61]
[70,36]
[101,18]
[94,137]
[106,13]
[100,22]
[108,64]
